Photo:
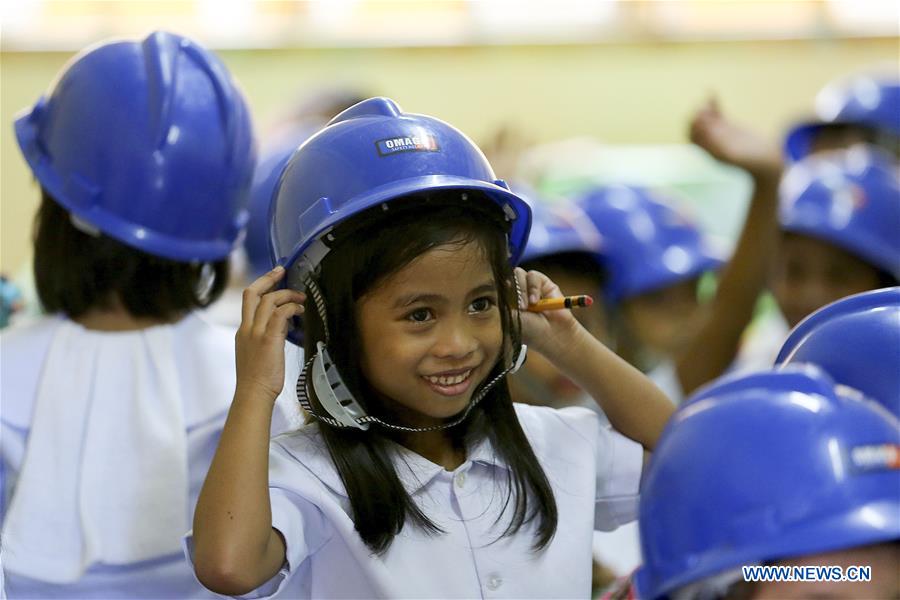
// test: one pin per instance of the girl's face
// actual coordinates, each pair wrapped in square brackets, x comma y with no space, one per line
[431,332]
[813,273]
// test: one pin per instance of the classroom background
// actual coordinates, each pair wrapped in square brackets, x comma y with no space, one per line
[579,90]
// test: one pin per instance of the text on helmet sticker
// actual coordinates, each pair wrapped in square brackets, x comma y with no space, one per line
[410,143]
[875,457]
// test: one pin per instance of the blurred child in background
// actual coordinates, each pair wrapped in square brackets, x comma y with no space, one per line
[840,206]
[860,109]
[113,404]
[654,257]
[839,217]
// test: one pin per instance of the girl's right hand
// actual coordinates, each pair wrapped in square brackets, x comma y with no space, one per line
[259,342]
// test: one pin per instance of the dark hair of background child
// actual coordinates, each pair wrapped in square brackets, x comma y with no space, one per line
[75,272]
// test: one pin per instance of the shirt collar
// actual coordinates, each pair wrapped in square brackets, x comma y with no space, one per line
[414,471]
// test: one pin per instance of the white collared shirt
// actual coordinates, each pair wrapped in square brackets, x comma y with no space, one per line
[593,471]
[193,362]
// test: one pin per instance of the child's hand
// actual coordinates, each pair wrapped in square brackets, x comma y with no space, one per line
[259,343]
[734,145]
[549,331]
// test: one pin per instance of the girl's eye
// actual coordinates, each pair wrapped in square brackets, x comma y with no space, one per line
[483,304]
[420,315]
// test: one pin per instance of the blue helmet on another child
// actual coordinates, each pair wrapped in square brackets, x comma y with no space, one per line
[856,340]
[148,142]
[369,155]
[849,198]
[557,228]
[762,467]
[864,101]
[648,245]
[257,243]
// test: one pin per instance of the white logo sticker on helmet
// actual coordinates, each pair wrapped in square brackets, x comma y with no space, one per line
[409,143]
[875,457]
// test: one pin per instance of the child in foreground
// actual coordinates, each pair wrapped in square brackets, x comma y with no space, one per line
[417,476]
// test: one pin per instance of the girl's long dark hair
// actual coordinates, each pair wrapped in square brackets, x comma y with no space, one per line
[373,246]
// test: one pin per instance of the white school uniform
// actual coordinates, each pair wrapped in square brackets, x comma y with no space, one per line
[618,550]
[106,440]
[593,471]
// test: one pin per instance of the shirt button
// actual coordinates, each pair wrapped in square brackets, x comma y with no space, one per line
[494,582]
[460,479]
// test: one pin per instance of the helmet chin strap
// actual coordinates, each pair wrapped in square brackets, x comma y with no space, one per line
[337,400]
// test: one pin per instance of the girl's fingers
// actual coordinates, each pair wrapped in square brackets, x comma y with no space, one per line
[534,285]
[280,320]
[550,290]
[540,286]
[269,303]
[266,282]
[255,290]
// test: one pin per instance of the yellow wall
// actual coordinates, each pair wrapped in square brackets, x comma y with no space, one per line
[622,93]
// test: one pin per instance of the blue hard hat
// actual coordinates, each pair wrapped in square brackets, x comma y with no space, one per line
[372,154]
[557,228]
[648,244]
[849,198]
[766,466]
[149,142]
[863,100]
[272,161]
[856,340]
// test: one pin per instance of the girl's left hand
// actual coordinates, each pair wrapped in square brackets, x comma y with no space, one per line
[549,331]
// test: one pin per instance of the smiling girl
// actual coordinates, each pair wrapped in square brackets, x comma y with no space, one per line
[416,476]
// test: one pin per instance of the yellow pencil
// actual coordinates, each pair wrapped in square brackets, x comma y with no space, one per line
[560,303]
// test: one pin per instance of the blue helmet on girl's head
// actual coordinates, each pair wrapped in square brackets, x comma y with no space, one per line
[766,466]
[856,341]
[864,101]
[369,155]
[648,245]
[148,142]
[372,155]
[849,198]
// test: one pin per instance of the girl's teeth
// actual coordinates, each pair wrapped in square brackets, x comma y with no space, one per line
[452,380]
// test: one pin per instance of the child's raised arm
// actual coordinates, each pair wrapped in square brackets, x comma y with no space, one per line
[235,547]
[714,346]
[634,405]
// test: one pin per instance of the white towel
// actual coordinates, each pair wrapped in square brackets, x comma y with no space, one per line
[105,474]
